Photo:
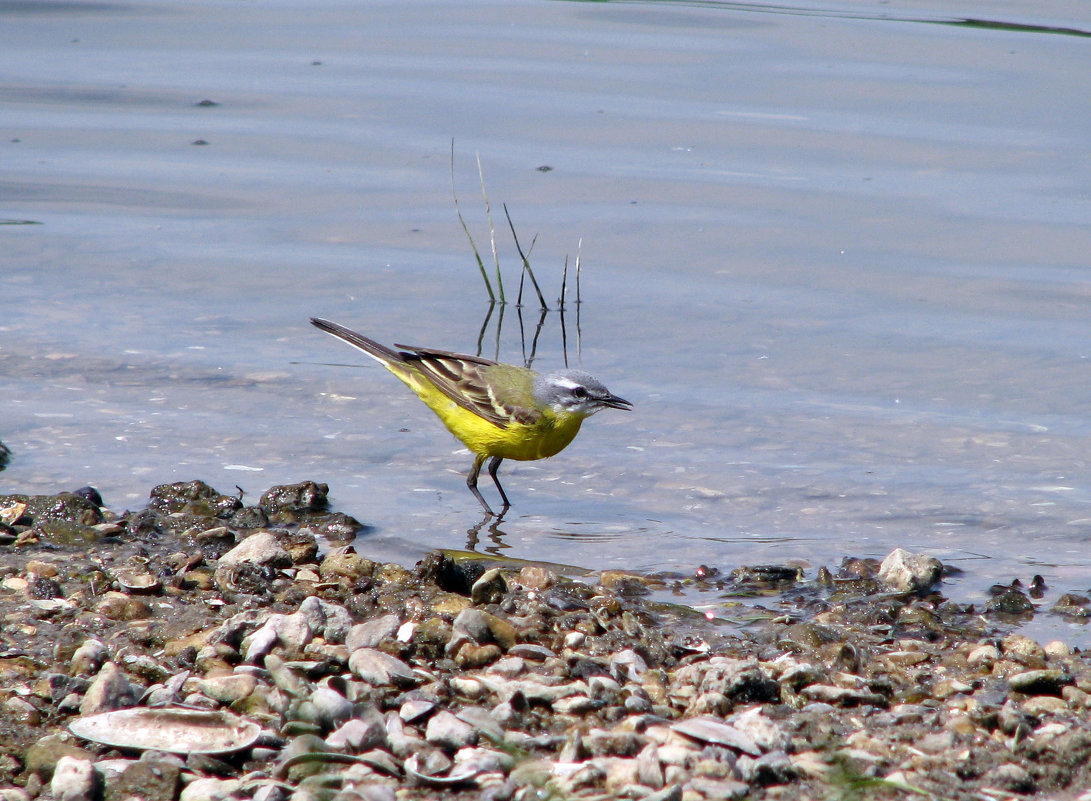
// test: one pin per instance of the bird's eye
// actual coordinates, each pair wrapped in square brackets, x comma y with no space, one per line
[579,392]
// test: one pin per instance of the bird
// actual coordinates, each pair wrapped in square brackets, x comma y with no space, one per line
[499,411]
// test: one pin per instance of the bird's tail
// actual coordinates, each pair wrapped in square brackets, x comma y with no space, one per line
[388,357]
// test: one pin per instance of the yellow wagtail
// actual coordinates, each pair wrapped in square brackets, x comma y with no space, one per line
[499,411]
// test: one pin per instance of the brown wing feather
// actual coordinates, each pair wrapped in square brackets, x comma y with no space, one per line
[466,381]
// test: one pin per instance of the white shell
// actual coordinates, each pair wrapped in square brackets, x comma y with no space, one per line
[177,731]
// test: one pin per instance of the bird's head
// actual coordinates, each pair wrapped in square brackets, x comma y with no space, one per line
[575,392]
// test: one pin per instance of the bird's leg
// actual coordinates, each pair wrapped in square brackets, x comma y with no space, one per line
[471,482]
[494,465]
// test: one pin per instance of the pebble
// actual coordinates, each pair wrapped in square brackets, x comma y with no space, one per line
[908,572]
[260,548]
[110,690]
[228,689]
[379,668]
[1023,650]
[449,732]
[396,683]
[150,779]
[360,734]
[984,656]
[371,633]
[88,658]
[73,780]
[1039,682]
[210,789]
[331,708]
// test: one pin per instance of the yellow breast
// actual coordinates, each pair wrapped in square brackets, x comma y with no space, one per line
[546,437]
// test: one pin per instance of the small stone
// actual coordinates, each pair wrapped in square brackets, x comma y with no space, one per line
[270,792]
[381,669]
[1011,777]
[1073,605]
[1010,601]
[1024,650]
[346,564]
[415,709]
[937,742]
[648,767]
[472,656]
[1039,682]
[360,734]
[21,711]
[672,792]
[620,773]
[285,678]
[1058,648]
[576,705]
[468,687]
[1076,698]
[760,729]
[772,768]
[120,606]
[483,721]
[536,577]
[1042,705]
[307,496]
[256,645]
[903,571]
[298,755]
[228,689]
[448,732]
[482,760]
[717,789]
[371,633]
[209,789]
[983,656]
[627,665]
[490,588]
[429,762]
[331,708]
[799,675]
[843,696]
[574,640]
[88,658]
[401,741]
[147,779]
[73,780]
[509,667]
[475,625]
[945,688]
[295,631]
[42,757]
[260,548]
[531,651]
[109,691]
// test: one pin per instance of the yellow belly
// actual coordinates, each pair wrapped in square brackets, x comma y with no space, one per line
[547,437]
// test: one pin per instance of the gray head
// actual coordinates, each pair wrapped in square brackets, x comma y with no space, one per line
[575,392]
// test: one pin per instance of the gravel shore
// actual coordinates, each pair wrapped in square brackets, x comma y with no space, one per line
[202,649]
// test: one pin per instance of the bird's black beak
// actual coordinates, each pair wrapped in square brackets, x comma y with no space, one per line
[614,402]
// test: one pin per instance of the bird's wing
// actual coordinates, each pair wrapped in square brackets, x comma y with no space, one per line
[486,388]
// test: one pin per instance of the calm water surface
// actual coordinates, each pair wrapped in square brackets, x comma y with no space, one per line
[837,254]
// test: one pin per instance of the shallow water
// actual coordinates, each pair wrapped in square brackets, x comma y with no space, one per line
[836,254]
